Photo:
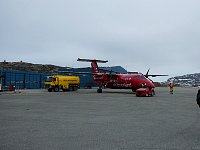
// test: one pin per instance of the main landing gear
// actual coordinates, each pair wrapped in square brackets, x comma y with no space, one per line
[99,90]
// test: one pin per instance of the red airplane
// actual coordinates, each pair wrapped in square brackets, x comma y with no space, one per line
[115,80]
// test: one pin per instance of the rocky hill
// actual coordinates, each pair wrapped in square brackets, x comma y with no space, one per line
[186,80]
[23,66]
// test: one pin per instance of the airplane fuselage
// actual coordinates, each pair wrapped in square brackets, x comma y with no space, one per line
[123,81]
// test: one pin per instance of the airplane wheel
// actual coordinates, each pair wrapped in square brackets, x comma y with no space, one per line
[150,95]
[99,90]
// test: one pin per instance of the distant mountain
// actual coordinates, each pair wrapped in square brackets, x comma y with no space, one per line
[186,80]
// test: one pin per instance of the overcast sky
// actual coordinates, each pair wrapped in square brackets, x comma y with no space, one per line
[163,35]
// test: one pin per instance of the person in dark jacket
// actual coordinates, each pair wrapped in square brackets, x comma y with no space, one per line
[198,97]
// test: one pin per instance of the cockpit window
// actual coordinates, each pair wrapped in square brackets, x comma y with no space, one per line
[50,79]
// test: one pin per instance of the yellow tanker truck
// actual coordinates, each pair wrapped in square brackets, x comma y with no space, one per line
[64,83]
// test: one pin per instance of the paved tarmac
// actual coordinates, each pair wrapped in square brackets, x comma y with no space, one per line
[112,120]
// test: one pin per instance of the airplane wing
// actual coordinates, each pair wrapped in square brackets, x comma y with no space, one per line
[153,75]
[71,72]
[86,73]
[109,71]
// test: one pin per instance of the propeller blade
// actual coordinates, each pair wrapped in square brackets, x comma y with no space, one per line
[147,74]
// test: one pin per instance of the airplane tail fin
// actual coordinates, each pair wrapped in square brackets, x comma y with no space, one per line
[95,68]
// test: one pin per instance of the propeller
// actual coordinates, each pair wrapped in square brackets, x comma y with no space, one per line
[147,74]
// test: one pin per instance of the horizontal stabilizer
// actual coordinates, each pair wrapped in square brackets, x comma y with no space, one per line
[92,60]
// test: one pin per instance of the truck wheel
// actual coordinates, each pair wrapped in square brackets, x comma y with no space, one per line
[64,90]
[50,90]
[99,90]
[56,89]
[70,88]
[75,89]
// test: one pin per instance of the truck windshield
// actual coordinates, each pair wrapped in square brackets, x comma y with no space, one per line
[49,79]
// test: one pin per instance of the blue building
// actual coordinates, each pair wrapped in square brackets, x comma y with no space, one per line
[22,79]
[35,80]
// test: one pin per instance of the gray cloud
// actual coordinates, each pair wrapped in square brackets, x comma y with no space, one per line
[162,35]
